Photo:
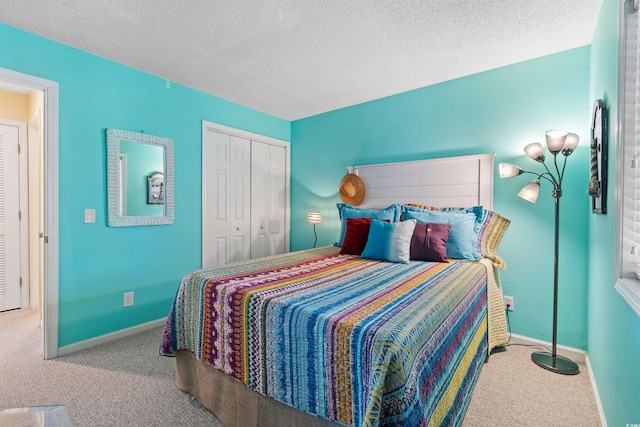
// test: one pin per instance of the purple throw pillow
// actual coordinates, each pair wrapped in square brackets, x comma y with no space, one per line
[429,242]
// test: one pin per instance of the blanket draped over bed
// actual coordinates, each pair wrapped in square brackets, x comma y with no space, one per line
[350,340]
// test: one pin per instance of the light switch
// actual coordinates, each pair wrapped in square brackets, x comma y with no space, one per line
[89,215]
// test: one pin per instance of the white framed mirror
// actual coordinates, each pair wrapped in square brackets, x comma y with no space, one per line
[139,179]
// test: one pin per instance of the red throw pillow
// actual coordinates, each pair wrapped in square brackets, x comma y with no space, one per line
[429,242]
[355,236]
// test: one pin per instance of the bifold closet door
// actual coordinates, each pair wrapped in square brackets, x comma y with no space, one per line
[268,199]
[226,178]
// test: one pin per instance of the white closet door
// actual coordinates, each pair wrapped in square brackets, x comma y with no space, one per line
[259,199]
[277,198]
[226,222]
[268,199]
[9,220]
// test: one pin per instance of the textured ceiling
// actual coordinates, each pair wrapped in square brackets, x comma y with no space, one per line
[298,58]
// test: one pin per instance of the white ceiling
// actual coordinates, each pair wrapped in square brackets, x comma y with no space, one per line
[298,58]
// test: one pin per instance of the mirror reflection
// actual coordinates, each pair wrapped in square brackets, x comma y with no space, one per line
[140,179]
[139,164]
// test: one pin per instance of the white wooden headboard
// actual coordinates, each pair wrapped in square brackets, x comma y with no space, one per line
[452,181]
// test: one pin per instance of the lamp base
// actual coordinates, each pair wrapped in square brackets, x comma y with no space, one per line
[557,364]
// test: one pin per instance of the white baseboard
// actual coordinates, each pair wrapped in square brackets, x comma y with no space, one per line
[574,354]
[92,342]
[603,420]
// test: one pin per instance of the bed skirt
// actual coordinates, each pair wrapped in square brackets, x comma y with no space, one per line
[232,402]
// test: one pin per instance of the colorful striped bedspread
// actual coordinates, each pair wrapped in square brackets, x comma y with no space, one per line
[355,341]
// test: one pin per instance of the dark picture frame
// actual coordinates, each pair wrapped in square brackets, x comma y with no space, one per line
[155,188]
[598,166]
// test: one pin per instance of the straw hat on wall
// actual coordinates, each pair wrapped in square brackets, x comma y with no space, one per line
[352,190]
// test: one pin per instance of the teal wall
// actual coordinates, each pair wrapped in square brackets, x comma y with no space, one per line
[97,263]
[614,329]
[498,111]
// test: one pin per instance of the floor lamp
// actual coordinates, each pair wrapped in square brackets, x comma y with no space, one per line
[314,218]
[558,141]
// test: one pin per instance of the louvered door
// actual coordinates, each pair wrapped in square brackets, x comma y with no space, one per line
[9,221]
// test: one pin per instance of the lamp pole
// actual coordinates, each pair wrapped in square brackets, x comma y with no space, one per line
[556,196]
[551,361]
[315,240]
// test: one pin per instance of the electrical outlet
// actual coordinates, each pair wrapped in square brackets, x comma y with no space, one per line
[127,299]
[508,301]
[89,216]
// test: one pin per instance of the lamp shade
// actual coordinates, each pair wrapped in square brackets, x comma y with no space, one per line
[507,170]
[556,140]
[570,144]
[535,150]
[314,217]
[530,191]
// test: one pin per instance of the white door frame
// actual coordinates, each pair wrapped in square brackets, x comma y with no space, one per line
[50,134]
[24,210]
[34,192]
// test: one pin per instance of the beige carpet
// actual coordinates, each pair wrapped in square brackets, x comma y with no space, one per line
[125,383]
[122,383]
[513,391]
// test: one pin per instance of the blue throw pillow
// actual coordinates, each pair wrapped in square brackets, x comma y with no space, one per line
[463,235]
[478,211]
[392,213]
[389,241]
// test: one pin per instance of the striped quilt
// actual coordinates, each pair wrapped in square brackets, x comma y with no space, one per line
[355,341]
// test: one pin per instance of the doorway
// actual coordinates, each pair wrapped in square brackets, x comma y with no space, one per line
[47,126]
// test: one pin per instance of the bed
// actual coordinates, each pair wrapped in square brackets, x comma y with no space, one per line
[324,337]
